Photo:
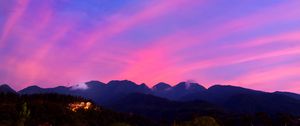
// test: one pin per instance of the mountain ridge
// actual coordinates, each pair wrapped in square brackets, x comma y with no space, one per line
[231,98]
[5,88]
[161,89]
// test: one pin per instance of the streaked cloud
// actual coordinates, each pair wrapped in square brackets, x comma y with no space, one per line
[50,43]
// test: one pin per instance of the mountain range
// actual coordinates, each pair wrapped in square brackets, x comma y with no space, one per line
[185,97]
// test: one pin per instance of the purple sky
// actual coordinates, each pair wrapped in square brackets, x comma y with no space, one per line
[249,43]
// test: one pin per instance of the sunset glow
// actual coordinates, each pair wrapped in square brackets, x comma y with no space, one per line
[254,44]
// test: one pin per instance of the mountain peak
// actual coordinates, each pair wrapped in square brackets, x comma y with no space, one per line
[181,84]
[223,87]
[31,90]
[94,83]
[60,87]
[189,86]
[143,85]
[4,88]
[161,86]
[178,91]
[223,90]
[121,82]
[34,87]
[289,94]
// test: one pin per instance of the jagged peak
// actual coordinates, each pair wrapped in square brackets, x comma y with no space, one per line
[113,82]
[33,87]
[143,85]
[224,86]
[161,86]
[6,88]
[4,85]
[189,85]
[230,87]
[94,82]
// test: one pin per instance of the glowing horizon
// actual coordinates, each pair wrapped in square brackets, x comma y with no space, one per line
[253,44]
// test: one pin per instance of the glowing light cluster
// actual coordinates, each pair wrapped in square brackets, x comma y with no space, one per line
[80,105]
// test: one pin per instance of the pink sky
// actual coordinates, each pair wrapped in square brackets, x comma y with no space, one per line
[255,44]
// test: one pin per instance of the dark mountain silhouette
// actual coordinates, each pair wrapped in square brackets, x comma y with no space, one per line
[289,94]
[242,100]
[231,98]
[163,109]
[176,92]
[125,86]
[95,91]
[263,102]
[38,90]
[99,92]
[161,87]
[219,93]
[185,88]
[32,90]
[161,90]
[4,88]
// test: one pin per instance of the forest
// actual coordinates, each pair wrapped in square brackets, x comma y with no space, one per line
[58,110]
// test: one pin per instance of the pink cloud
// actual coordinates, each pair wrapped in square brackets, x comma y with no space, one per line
[272,39]
[30,36]
[118,24]
[157,63]
[266,79]
[19,10]
[160,60]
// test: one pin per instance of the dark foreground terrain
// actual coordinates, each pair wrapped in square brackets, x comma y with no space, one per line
[55,110]
[125,103]
[59,110]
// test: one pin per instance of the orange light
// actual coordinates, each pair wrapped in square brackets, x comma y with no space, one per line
[82,105]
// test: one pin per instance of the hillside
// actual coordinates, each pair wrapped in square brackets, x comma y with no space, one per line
[60,110]
[160,105]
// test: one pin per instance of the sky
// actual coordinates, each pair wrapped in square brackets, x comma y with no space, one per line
[249,43]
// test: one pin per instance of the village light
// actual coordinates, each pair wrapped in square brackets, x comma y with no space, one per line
[82,105]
